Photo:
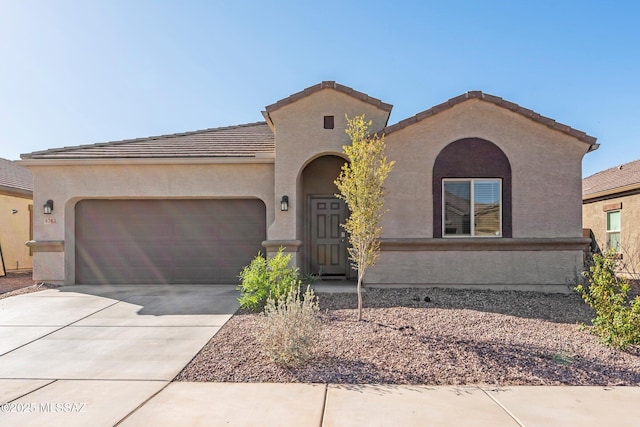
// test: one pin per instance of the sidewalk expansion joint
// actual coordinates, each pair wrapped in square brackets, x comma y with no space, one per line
[504,408]
[324,404]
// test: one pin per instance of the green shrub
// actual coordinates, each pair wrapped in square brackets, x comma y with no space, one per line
[617,320]
[265,277]
[290,329]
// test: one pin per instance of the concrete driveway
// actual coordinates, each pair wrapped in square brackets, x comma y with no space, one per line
[105,348]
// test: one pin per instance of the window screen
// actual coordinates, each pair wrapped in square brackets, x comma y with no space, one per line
[613,230]
[472,207]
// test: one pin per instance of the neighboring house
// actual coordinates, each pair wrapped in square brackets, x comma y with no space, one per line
[16,203]
[611,211]
[484,193]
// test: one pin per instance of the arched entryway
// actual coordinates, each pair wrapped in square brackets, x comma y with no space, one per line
[325,249]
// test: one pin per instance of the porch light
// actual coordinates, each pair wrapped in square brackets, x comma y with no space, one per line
[48,207]
[284,203]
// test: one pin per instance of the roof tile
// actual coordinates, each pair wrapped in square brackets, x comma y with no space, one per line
[254,139]
[246,140]
[612,178]
[499,102]
[14,176]
[328,85]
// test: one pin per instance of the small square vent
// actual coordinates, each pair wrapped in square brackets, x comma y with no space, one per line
[328,122]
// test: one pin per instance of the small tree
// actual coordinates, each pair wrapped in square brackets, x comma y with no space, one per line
[617,320]
[361,186]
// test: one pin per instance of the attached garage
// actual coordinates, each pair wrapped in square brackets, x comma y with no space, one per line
[188,241]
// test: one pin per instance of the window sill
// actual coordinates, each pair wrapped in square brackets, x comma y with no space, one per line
[467,236]
[485,244]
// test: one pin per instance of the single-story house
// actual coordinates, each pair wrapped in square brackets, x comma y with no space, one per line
[611,212]
[484,193]
[16,204]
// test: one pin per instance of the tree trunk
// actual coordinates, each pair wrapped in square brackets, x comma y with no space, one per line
[359,296]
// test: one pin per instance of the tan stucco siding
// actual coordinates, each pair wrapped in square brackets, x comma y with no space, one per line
[553,271]
[14,232]
[543,247]
[68,184]
[595,218]
[545,168]
[301,137]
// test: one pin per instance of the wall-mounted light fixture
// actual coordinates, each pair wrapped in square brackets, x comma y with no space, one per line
[48,207]
[284,203]
[14,211]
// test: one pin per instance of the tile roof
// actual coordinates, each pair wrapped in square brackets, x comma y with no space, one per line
[255,139]
[15,177]
[329,85]
[248,140]
[530,114]
[619,177]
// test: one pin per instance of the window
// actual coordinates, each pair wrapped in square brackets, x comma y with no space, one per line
[472,207]
[328,122]
[465,160]
[613,230]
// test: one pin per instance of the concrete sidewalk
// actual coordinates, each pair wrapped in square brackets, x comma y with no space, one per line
[145,403]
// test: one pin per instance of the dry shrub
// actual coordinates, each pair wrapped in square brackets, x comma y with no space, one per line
[290,328]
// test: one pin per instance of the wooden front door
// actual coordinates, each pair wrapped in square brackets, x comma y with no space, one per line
[327,240]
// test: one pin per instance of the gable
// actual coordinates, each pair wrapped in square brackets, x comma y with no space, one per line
[363,97]
[495,100]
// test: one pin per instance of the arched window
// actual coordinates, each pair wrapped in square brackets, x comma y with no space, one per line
[472,190]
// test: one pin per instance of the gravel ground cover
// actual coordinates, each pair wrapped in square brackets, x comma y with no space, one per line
[422,336]
[16,283]
[432,337]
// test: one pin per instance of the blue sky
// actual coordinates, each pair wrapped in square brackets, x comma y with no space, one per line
[81,72]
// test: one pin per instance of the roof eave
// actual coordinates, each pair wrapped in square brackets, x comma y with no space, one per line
[257,159]
[16,192]
[55,151]
[593,147]
[496,100]
[329,84]
[612,192]
[269,121]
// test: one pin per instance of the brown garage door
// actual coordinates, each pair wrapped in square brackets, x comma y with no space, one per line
[166,241]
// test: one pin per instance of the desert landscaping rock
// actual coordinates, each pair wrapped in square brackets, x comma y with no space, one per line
[18,283]
[457,337]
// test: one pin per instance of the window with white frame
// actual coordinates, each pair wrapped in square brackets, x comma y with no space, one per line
[472,207]
[613,230]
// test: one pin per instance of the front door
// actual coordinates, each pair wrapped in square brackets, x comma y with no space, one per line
[327,239]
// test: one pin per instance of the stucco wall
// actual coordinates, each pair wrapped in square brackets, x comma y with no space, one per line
[67,184]
[545,168]
[546,203]
[546,193]
[14,232]
[547,271]
[301,138]
[595,218]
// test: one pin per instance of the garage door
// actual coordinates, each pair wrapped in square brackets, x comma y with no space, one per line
[166,241]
